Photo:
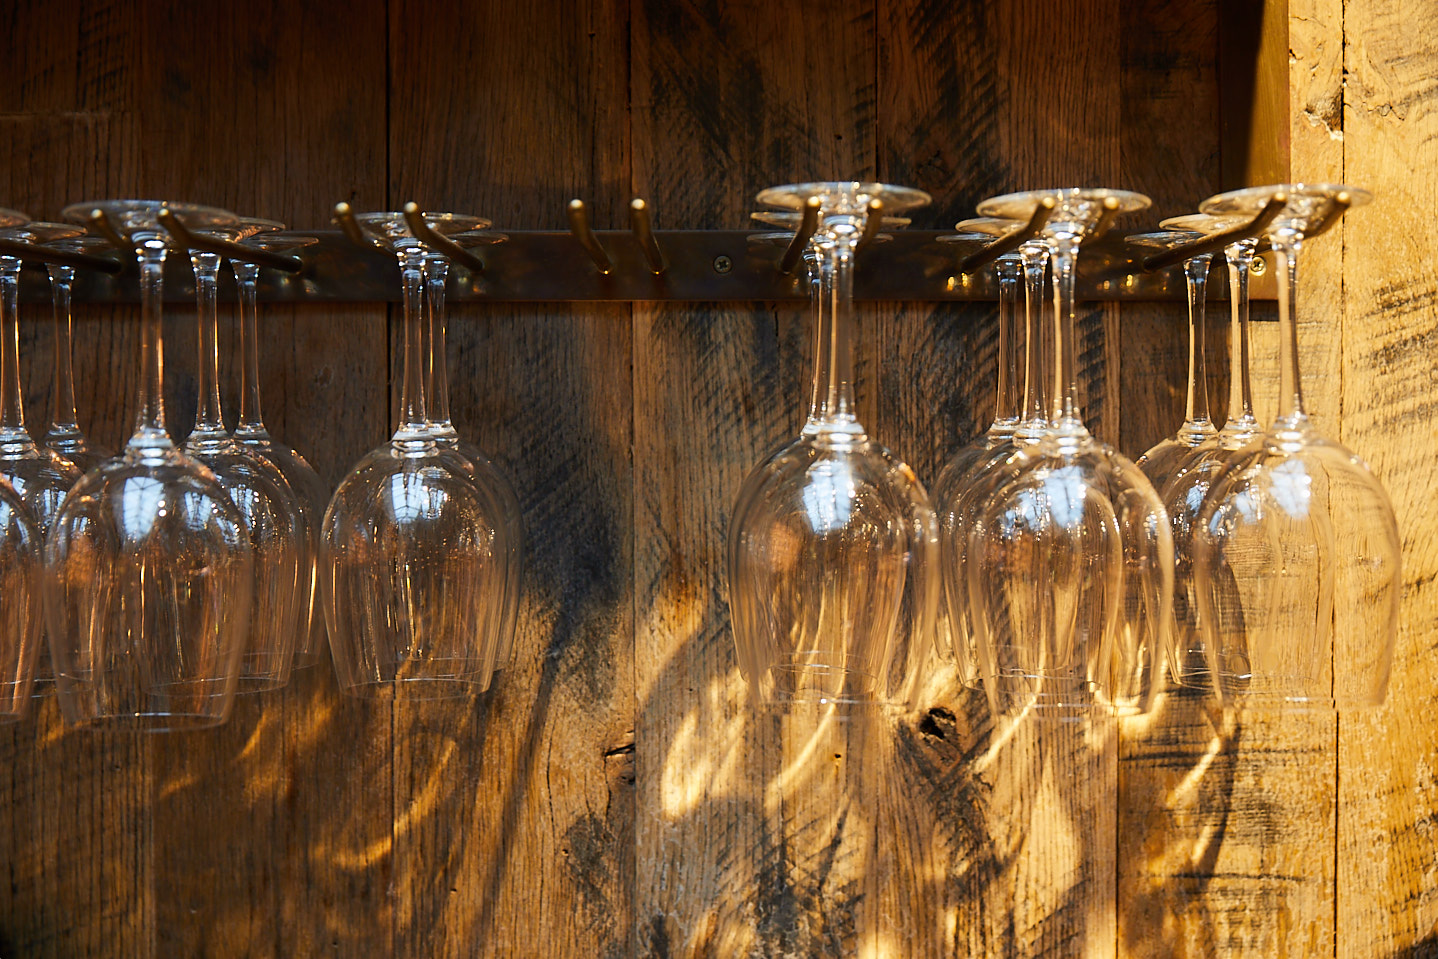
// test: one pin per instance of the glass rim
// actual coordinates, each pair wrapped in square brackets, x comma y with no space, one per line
[1253,198]
[139,219]
[9,217]
[793,196]
[1028,200]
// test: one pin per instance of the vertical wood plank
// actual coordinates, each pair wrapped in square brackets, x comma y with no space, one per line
[1387,883]
[77,838]
[1016,825]
[249,121]
[514,813]
[742,845]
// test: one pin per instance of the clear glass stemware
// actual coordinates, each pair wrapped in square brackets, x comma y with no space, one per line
[832,544]
[148,568]
[40,476]
[966,468]
[310,492]
[21,635]
[261,494]
[487,478]
[1070,563]
[1184,491]
[411,559]
[1296,553]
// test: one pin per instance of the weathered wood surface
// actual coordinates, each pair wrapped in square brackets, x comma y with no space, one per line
[613,794]
[1387,875]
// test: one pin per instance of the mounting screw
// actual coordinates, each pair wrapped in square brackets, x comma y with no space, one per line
[1259,267]
[722,264]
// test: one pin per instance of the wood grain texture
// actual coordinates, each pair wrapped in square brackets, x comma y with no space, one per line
[738,854]
[1387,875]
[515,814]
[614,794]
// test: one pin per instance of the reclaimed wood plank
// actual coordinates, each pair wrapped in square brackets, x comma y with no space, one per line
[514,813]
[744,845]
[252,121]
[1016,856]
[77,837]
[1387,873]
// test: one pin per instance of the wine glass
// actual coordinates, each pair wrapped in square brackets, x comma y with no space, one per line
[64,435]
[40,476]
[148,568]
[21,637]
[832,544]
[1184,491]
[258,490]
[1070,562]
[310,492]
[412,562]
[1296,553]
[486,477]
[967,478]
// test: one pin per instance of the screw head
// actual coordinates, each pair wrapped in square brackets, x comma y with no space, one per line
[722,264]
[1259,266]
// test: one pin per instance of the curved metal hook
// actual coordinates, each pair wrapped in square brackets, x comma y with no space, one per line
[579,226]
[438,242]
[808,223]
[1010,241]
[643,227]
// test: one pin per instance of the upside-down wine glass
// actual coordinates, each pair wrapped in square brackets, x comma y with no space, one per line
[955,636]
[1070,563]
[39,475]
[1297,557]
[64,435]
[310,492]
[21,638]
[832,544]
[260,492]
[963,484]
[1184,491]
[148,568]
[412,558]
[485,475]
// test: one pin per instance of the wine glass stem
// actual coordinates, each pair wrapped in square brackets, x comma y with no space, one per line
[436,270]
[1006,403]
[251,416]
[1196,411]
[412,420]
[209,418]
[12,405]
[63,418]
[1240,394]
[1286,245]
[150,422]
[839,401]
[1035,259]
[818,285]
[1065,381]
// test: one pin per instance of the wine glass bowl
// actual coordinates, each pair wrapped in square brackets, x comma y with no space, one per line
[832,543]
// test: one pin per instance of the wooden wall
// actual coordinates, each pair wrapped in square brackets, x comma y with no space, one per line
[613,795]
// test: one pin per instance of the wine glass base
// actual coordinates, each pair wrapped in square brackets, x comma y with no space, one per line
[151,722]
[419,689]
